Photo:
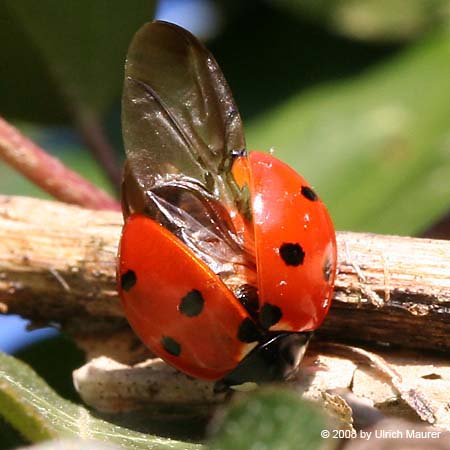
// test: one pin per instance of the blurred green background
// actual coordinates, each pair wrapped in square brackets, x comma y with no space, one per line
[354,94]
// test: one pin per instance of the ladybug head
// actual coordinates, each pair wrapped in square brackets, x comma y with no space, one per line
[274,359]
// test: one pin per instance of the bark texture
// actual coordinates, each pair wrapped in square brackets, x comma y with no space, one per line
[57,264]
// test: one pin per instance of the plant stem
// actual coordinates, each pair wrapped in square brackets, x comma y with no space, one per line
[48,172]
[92,131]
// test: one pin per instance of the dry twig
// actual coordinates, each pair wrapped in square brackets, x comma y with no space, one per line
[49,173]
[57,263]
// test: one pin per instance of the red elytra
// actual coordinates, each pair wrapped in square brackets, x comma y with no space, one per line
[295,247]
[226,261]
[294,289]
[178,307]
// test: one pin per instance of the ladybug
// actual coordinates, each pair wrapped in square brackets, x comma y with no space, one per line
[227,259]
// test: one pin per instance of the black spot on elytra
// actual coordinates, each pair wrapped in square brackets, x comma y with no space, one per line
[308,193]
[327,269]
[292,254]
[171,346]
[270,315]
[248,297]
[248,331]
[192,303]
[128,280]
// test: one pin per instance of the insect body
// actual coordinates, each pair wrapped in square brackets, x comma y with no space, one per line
[227,259]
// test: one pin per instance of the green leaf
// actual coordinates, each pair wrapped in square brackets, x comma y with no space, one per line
[382,20]
[270,418]
[377,146]
[9,438]
[38,413]
[80,46]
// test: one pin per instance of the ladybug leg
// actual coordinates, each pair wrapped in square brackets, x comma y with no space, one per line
[276,358]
